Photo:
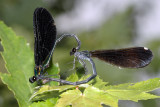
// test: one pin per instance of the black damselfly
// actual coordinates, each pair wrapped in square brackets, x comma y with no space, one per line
[134,57]
[45,42]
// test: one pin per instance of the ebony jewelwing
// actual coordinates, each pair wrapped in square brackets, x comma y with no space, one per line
[45,42]
[45,39]
[134,57]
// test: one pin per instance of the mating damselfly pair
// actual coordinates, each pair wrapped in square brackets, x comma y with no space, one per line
[45,42]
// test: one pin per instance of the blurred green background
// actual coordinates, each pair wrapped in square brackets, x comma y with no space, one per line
[99,25]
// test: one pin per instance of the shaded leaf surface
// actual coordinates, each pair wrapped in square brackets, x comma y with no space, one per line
[48,103]
[47,91]
[19,64]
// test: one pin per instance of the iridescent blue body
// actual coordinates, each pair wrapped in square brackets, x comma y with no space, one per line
[38,70]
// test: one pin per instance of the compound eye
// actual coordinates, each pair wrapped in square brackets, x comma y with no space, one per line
[34,78]
[74,50]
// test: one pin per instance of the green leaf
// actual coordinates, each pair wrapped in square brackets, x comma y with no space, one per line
[135,91]
[47,91]
[98,83]
[19,64]
[91,97]
[47,103]
[73,77]
[147,85]
[96,91]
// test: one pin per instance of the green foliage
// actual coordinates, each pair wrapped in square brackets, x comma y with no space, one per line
[135,91]
[19,64]
[47,91]
[93,95]
[47,103]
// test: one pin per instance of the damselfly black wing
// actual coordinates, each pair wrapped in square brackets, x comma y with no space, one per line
[136,57]
[44,34]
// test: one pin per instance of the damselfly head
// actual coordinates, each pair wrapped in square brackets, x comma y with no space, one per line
[73,51]
[33,79]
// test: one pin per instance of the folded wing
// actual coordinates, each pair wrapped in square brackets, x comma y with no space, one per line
[44,34]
